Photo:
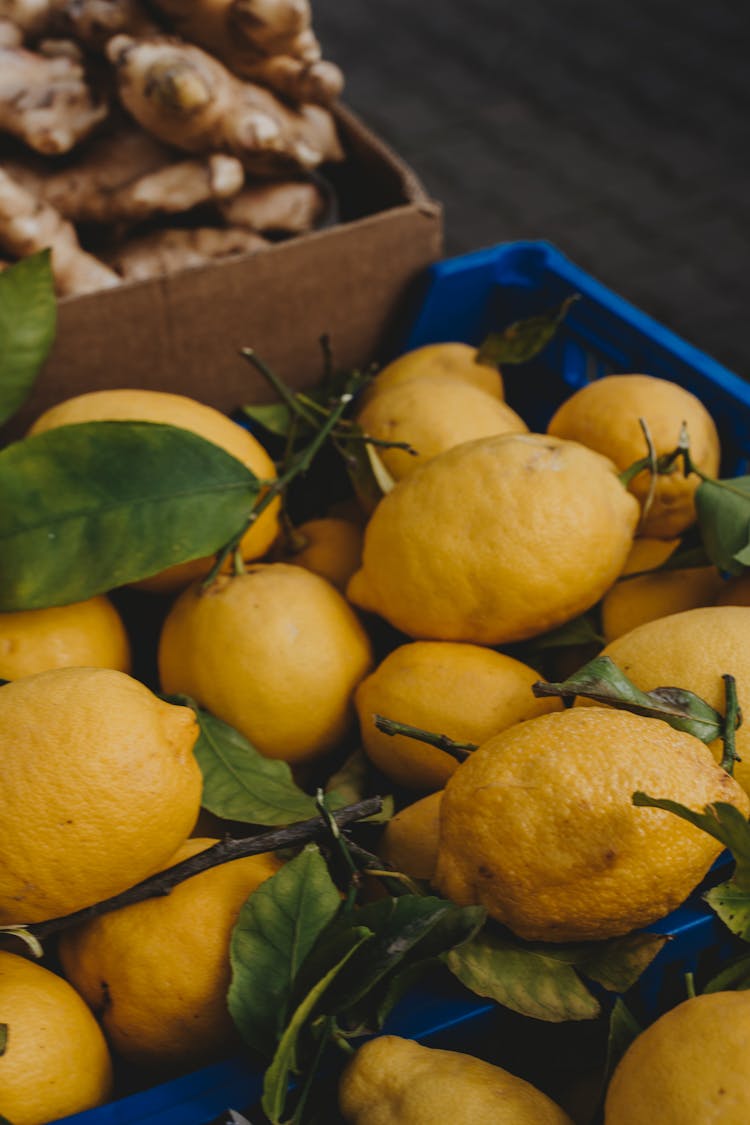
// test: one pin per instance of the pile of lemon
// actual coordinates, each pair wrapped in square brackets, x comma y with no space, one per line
[490,535]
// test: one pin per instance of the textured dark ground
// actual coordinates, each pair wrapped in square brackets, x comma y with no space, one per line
[620,132]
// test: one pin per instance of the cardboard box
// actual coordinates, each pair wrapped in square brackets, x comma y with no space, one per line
[182,333]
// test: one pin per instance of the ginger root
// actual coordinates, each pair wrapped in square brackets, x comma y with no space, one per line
[127,176]
[46,102]
[167,251]
[188,99]
[28,225]
[291,207]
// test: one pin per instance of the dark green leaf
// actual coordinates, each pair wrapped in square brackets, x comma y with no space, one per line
[3,1038]
[276,417]
[617,964]
[283,1064]
[241,784]
[732,904]
[723,508]
[28,317]
[277,928]
[721,820]
[580,631]
[734,977]
[90,507]
[623,1029]
[603,681]
[536,982]
[524,339]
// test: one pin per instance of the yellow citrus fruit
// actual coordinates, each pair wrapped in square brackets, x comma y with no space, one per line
[329,546]
[637,600]
[459,361]
[539,827]
[432,414]
[604,415]
[275,652]
[735,591]
[410,839]
[395,1081]
[496,540]
[100,786]
[693,650]
[464,691]
[130,405]
[157,972]
[687,1068]
[84,634]
[56,1060]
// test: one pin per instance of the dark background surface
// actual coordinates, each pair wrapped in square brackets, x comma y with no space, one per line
[619,132]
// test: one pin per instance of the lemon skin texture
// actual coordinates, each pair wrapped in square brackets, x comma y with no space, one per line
[496,540]
[56,1061]
[538,825]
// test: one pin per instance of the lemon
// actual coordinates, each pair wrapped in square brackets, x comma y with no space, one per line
[632,603]
[604,415]
[693,650]
[687,1068]
[464,691]
[410,839]
[459,361]
[329,546]
[83,634]
[432,414]
[539,827]
[100,786]
[137,405]
[157,972]
[275,652]
[496,540]
[55,1061]
[395,1081]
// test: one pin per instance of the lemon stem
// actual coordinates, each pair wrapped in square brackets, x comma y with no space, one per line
[690,986]
[732,720]
[340,843]
[458,750]
[225,850]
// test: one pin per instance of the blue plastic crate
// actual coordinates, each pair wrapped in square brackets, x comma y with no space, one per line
[466,298]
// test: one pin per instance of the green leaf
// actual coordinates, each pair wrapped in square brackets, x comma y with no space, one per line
[524,339]
[603,681]
[277,928]
[28,318]
[534,980]
[92,506]
[732,904]
[580,631]
[241,784]
[623,1030]
[721,820]
[617,964]
[350,783]
[276,417]
[276,1081]
[723,508]
[734,977]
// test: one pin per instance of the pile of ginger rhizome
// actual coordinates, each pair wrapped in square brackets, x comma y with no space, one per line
[138,137]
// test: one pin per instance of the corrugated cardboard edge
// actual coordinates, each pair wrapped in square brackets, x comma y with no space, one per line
[183,333]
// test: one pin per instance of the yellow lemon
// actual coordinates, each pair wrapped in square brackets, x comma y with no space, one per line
[275,652]
[157,972]
[329,546]
[539,827]
[688,1068]
[55,1061]
[432,414]
[459,361]
[395,1081]
[693,650]
[464,691]
[100,786]
[637,600]
[605,415]
[410,839]
[84,634]
[496,540]
[131,405]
